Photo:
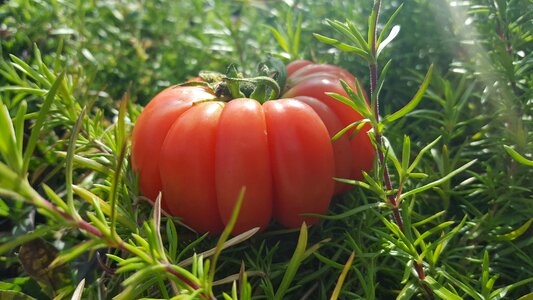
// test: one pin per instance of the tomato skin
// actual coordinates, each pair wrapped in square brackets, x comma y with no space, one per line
[320,70]
[302,169]
[187,167]
[296,65]
[242,159]
[362,148]
[342,151]
[154,122]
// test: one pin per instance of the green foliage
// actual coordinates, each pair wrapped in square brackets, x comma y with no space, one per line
[446,213]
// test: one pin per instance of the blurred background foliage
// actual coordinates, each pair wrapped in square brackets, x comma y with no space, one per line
[480,99]
[151,44]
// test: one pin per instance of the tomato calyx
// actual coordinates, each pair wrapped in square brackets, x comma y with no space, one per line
[234,85]
[268,85]
[261,88]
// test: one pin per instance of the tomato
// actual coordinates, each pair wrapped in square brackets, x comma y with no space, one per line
[206,152]
[315,80]
[200,152]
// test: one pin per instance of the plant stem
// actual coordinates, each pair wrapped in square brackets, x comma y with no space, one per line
[379,140]
[377,133]
[393,199]
[79,223]
[374,33]
[39,201]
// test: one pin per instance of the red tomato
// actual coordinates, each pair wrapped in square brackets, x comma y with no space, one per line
[296,65]
[200,152]
[304,82]
[206,152]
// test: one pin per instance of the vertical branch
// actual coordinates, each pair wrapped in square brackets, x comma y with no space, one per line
[393,199]
[377,133]
[377,4]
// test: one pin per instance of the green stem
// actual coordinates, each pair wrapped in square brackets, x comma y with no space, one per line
[35,198]
[251,85]
[393,200]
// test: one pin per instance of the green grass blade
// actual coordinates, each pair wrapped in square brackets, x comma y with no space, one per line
[26,69]
[294,263]
[115,186]
[515,233]
[357,98]
[414,102]
[502,292]
[408,291]
[441,291]
[372,27]
[280,38]
[380,84]
[172,237]
[343,46]
[295,49]
[70,164]
[342,277]
[389,23]
[407,244]
[516,156]
[432,231]
[441,242]
[87,163]
[361,40]
[485,275]
[430,218]
[527,296]
[345,30]
[392,157]
[421,154]
[104,206]
[288,24]
[358,125]
[224,236]
[18,124]
[54,198]
[9,148]
[329,262]
[23,89]
[36,130]
[406,153]
[439,181]
[462,284]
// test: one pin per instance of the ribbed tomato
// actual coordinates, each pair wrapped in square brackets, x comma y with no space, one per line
[199,152]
